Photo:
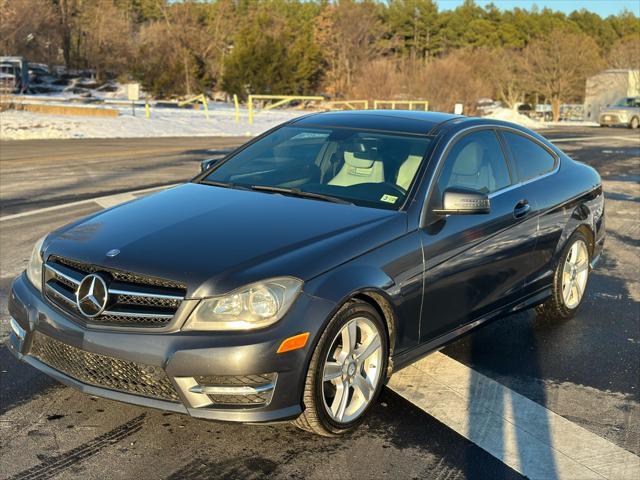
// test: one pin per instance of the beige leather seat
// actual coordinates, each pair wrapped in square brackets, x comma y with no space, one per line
[470,171]
[408,170]
[358,169]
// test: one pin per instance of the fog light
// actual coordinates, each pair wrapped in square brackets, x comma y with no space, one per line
[17,329]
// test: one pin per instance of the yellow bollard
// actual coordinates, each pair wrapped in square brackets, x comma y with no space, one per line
[235,103]
[250,100]
[147,113]
[206,106]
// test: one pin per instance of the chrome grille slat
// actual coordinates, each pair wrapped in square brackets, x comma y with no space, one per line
[147,302]
[61,293]
[138,314]
[65,274]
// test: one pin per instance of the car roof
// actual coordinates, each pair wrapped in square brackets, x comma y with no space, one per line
[398,121]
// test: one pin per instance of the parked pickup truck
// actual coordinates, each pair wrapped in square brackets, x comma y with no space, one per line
[624,112]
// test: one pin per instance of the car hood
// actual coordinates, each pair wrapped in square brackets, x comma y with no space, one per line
[215,239]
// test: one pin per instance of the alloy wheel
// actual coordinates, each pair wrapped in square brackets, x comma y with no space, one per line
[352,370]
[575,273]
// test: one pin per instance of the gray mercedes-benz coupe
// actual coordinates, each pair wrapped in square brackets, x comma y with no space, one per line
[290,279]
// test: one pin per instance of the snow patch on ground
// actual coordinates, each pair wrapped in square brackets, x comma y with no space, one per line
[510,115]
[164,122]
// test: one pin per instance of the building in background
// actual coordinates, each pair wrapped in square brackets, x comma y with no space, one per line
[608,87]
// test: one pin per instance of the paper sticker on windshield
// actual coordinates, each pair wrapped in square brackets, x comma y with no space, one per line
[388,198]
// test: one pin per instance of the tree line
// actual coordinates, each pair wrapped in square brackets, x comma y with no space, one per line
[344,48]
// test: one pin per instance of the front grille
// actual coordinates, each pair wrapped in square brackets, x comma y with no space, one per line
[102,371]
[118,274]
[611,118]
[134,300]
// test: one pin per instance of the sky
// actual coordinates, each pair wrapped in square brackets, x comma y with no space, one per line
[603,8]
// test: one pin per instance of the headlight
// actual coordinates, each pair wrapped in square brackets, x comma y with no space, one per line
[254,306]
[34,268]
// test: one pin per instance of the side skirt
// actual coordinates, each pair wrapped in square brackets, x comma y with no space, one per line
[406,358]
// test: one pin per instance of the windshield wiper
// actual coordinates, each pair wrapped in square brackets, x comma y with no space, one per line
[300,193]
[213,183]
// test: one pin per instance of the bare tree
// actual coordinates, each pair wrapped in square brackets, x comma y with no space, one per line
[504,68]
[349,33]
[107,38]
[557,66]
[379,79]
[29,28]
[625,53]
[67,11]
[456,78]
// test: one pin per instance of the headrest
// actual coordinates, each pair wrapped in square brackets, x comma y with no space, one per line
[358,159]
[469,160]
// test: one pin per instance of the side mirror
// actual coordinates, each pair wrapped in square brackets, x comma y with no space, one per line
[463,201]
[208,163]
[219,155]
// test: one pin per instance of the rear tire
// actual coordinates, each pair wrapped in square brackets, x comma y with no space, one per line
[569,280]
[634,123]
[343,382]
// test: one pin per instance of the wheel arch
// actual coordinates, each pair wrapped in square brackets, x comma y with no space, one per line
[380,301]
[582,219]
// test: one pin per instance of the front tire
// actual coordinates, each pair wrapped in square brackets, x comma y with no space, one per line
[634,123]
[569,280]
[346,372]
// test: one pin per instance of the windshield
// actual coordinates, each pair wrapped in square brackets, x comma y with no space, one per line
[628,102]
[361,167]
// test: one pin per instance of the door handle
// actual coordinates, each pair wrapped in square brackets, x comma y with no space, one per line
[521,209]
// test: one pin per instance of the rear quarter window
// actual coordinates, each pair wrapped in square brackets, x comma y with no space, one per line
[531,160]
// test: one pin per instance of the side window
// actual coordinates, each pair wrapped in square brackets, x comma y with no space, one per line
[477,162]
[531,159]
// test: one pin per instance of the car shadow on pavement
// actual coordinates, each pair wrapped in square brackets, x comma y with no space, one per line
[500,421]
[400,441]
[20,382]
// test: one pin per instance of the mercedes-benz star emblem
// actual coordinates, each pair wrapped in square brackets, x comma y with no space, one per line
[92,295]
[113,253]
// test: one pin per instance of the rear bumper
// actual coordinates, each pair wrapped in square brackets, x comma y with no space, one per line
[182,357]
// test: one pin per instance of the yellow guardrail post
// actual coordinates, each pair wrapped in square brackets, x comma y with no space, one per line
[237,107]
[349,104]
[282,99]
[395,103]
[200,98]
[147,112]
[206,106]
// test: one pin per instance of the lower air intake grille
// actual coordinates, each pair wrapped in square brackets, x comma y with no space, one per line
[102,371]
[252,399]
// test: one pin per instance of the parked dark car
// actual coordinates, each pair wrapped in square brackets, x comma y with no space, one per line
[290,279]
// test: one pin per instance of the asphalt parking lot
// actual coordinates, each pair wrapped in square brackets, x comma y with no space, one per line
[520,397]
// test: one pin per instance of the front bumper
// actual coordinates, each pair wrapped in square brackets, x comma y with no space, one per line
[180,358]
[612,119]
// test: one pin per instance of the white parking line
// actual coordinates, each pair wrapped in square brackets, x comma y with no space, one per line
[104,201]
[521,433]
[582,139]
